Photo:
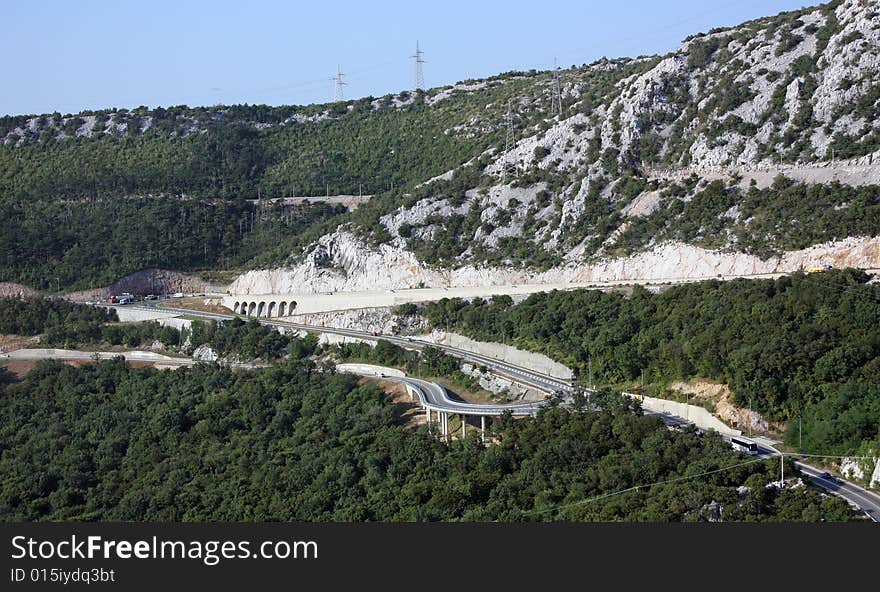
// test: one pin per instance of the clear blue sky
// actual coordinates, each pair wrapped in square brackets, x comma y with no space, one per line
[90,54]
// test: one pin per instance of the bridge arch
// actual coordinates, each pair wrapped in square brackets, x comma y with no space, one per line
[271,311]
[235,308]
[251,307]
[261,308]
[282,308]
[292,307]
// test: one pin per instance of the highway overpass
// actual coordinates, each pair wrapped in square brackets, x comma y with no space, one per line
[435,399]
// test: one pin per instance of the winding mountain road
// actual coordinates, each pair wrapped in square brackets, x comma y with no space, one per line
[434,397]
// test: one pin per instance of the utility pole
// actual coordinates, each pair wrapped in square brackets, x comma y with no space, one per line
[750,417]
[590,369]
[337,91]
[508,140]
[419,78]
[556,103]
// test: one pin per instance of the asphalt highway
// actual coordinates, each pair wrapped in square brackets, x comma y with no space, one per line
[435,397]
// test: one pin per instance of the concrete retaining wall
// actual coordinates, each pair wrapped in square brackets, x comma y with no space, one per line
[511,355]
[700,417]
[369,369]
[134,315]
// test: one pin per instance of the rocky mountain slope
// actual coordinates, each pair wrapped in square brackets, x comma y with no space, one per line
[749,149]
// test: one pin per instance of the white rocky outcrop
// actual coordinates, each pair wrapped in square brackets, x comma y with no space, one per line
[783,87]
[352,265]
[205,353]
[500,385]
[380,320]
[862,469]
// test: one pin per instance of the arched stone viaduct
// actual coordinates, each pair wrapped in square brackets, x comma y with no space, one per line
[264,308]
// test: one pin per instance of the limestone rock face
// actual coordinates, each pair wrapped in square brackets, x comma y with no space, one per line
[358,267]
[767,97]
[864,470]
[204,353]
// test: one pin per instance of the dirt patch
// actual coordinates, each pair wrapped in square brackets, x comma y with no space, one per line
[200,304]
[410,411]
[10,289]
[719,399]
[466,395]
[10,343]
[20,368]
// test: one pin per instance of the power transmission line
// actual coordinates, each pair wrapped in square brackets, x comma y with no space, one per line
[838,456]
[508,141]
[556,103]
[337,91]
[637,487]
[420,79]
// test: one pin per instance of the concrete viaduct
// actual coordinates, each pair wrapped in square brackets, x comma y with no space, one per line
[263,308]
[435,400]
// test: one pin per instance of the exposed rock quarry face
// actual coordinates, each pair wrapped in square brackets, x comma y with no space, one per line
[148,281]
[380,320]
[357,267]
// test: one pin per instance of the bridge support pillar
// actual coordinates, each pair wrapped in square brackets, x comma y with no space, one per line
[446,427]
[483,428]
[428,415]
[463,426]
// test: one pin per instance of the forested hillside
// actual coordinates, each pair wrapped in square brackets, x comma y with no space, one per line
[801,346]
[111,442]
[532,168]
[363,146]
[63,245]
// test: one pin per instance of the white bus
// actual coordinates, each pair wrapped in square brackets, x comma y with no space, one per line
[744,445]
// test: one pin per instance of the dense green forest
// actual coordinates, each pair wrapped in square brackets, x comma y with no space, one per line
[249,151]
[61,322]
[111,442]
[798,346]
[66,324]
[69,246]
[69,222]
[783,217]
[592,166]
[368,145]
